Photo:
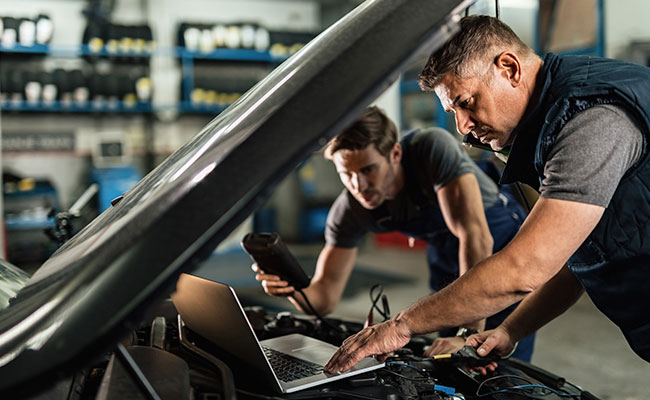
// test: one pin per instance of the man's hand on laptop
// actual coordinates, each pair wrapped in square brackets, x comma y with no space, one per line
[378,340]
[272,284]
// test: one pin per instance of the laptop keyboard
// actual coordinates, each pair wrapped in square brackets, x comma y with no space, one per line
[289,368]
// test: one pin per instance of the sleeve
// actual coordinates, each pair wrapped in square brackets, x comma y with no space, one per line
[443,157]
[345,225]
[590,156]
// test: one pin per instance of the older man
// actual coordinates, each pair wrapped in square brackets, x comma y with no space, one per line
[576,129]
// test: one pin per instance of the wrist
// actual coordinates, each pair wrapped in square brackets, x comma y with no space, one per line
[401,322]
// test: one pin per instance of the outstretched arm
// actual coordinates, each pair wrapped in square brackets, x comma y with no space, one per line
[550,235]
[535,311]
[333,270]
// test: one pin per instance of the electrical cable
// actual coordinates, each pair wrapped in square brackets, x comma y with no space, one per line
[384,312]
[314,312]
[478,389]
[406,377]
[406,365]
[496,9]
[514,389]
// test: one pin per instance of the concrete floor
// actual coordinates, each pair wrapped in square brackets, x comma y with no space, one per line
[581,345]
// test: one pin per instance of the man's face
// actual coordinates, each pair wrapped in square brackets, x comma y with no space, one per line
[368,175]
[489,109]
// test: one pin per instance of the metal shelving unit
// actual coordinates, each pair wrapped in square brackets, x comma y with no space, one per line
[186,57]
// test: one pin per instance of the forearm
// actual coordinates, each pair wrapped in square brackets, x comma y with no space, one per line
[317,294]
[479,293]
[333,269]
[473,248]
[544,304]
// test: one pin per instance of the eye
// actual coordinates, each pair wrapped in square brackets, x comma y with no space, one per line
[368,169]
[465,103]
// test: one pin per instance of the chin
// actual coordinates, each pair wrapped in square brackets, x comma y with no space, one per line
[496,145]
[369,205]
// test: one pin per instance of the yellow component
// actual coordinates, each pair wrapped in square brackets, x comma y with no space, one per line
[222,98]
[441,356]
[197,96]
[95,44]
[295,47]
[112,46]
[126,44]
[278,50]
[232,97]
[211,97]
[26,184]
[130,99]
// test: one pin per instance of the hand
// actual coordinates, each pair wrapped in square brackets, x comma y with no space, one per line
[445,345]
[497,340]
[379,340]
[272,284]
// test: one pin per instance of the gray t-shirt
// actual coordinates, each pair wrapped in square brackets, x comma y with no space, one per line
[590,156]
[431,159]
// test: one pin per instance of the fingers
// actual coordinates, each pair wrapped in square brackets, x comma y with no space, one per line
[445,345]
[272,284]
[379,339]
[483,370]
[487,346]
[351,352]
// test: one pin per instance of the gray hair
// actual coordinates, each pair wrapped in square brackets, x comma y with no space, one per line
[472,50]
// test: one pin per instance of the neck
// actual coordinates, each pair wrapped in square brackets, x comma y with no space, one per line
[534,83]
[399,180]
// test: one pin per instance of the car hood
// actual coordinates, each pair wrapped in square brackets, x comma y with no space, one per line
[98,285]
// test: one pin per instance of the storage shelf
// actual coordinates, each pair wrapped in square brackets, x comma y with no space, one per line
[181,52]
[22,224]
[230,55]
[187,57]
[188,107]
[56,106]
[70,51]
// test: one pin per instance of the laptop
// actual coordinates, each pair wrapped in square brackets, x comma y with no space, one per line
[289,363]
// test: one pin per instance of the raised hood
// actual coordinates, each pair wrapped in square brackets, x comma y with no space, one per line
[95,287]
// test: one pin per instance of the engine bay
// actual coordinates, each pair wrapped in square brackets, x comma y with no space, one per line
[164,358]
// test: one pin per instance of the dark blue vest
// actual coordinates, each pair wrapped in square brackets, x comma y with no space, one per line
[613,264]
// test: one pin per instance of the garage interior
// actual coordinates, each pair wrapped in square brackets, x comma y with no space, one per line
[94,94]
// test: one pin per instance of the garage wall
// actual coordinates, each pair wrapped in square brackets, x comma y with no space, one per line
[625,21]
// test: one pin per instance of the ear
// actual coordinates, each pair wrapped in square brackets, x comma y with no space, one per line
[396,153]
[509,66]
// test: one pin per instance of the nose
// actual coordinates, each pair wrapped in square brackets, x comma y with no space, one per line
[464,124]
[358,183]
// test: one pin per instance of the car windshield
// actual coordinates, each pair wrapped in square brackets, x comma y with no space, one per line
[175,217]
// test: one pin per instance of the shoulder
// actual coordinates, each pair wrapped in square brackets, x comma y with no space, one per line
[606,120]
[344,207]
[432,142]
[432,137]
